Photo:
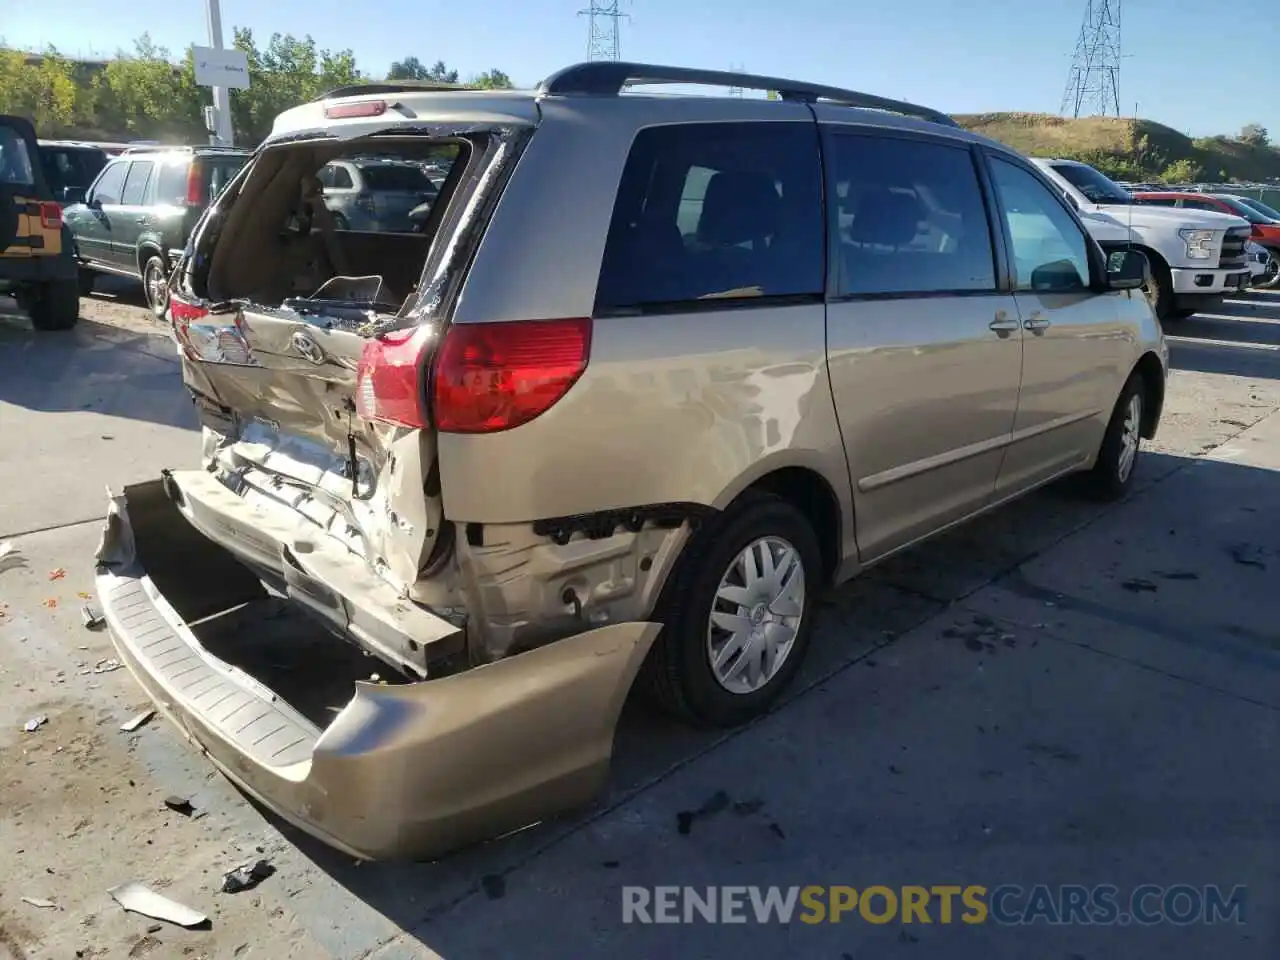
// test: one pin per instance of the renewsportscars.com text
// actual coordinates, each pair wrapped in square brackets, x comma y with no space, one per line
[1008,904]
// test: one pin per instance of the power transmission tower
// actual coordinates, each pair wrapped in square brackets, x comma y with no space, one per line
[1093,85]
[603,19]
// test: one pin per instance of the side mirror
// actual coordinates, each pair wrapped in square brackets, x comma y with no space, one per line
[1127,270]
[73,194]
[1057,276]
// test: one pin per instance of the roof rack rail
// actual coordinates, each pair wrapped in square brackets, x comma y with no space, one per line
[397,86]
[609,78]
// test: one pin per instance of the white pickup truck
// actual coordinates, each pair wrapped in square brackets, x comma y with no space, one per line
[1196,257]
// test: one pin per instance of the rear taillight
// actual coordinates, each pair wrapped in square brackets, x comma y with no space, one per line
[182,315]
[195,184]
[389,379]
[495,376]
[50,216]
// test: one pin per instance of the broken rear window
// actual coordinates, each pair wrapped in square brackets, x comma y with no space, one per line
[293,224]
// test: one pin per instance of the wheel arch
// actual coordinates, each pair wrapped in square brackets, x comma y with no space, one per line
[812,494]
[1152,372]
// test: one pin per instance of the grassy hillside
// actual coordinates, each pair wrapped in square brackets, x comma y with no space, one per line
[1128,149]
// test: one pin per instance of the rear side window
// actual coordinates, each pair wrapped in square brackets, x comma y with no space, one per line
[135,184]
[15,160]
[111,183]
[387,177]
[171,183]
[908,218]
[730,212]
[218,172]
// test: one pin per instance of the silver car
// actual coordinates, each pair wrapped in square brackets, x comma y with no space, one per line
[374,193]
[658,371]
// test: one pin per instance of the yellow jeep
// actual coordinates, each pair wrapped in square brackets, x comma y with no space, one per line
[36,262]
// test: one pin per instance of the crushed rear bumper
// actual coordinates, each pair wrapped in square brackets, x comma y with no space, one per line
[410,770]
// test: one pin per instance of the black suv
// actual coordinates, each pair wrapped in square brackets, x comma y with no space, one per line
[70,166]
[134,219]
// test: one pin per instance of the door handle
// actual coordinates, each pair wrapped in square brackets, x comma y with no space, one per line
[1037,321]
[1002,323]
[144,220]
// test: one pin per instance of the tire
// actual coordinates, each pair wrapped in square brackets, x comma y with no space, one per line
[1159,289]
[1112,476]
[681,677]
[1271,277]
[155,285]
[86,278]
[56,306]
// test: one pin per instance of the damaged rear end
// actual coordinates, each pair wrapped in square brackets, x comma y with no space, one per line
[324,365]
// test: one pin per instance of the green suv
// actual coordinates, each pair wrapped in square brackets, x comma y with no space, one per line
[134,219]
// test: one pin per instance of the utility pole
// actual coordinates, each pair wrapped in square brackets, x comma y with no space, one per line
[221,95]
[603,40]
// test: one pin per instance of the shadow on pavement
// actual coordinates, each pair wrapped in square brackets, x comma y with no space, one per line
[1195,535]
[93,367]
[1241,338]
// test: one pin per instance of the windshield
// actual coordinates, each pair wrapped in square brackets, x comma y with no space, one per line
[15,162]
[1244,210]
[396,177]
[1270,213]
[1096,187]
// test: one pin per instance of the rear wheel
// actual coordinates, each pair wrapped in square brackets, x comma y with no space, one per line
[1112,475]
[55,305]
[738,614]
[155,282]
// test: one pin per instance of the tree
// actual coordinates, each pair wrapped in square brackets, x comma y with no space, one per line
[491,80]
[146,95]
[1255,134]
[43,91]
[411,68]
[289,71]
[1182,171]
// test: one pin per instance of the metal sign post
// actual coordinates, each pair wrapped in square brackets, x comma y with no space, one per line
[223,70]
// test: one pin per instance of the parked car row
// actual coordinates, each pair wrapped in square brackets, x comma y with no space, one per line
[1199,254]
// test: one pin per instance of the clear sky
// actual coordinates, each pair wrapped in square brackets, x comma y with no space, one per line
[1202,67]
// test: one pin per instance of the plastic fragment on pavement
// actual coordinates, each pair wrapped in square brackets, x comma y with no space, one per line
[137,898]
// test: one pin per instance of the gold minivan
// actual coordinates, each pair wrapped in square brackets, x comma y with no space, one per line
[652,373]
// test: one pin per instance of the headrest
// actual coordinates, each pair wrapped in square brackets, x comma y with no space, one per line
[739,206]
[887,218]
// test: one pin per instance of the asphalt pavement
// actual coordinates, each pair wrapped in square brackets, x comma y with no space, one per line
[1059,696]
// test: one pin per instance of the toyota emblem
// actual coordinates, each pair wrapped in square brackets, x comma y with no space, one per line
[308,348]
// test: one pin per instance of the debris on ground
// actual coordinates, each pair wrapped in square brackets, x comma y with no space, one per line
[179,805]
[1248,555]
[35,723]
[246,877]
[1139,585]
[10,558]
[138,898]
[90,619]
[50,604]
[714,804]
[58,574]
[107,665]
[40,902]
[132,725]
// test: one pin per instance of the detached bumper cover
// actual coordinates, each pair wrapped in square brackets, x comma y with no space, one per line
[413,770]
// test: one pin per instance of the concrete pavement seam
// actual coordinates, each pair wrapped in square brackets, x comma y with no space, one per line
[53,526]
